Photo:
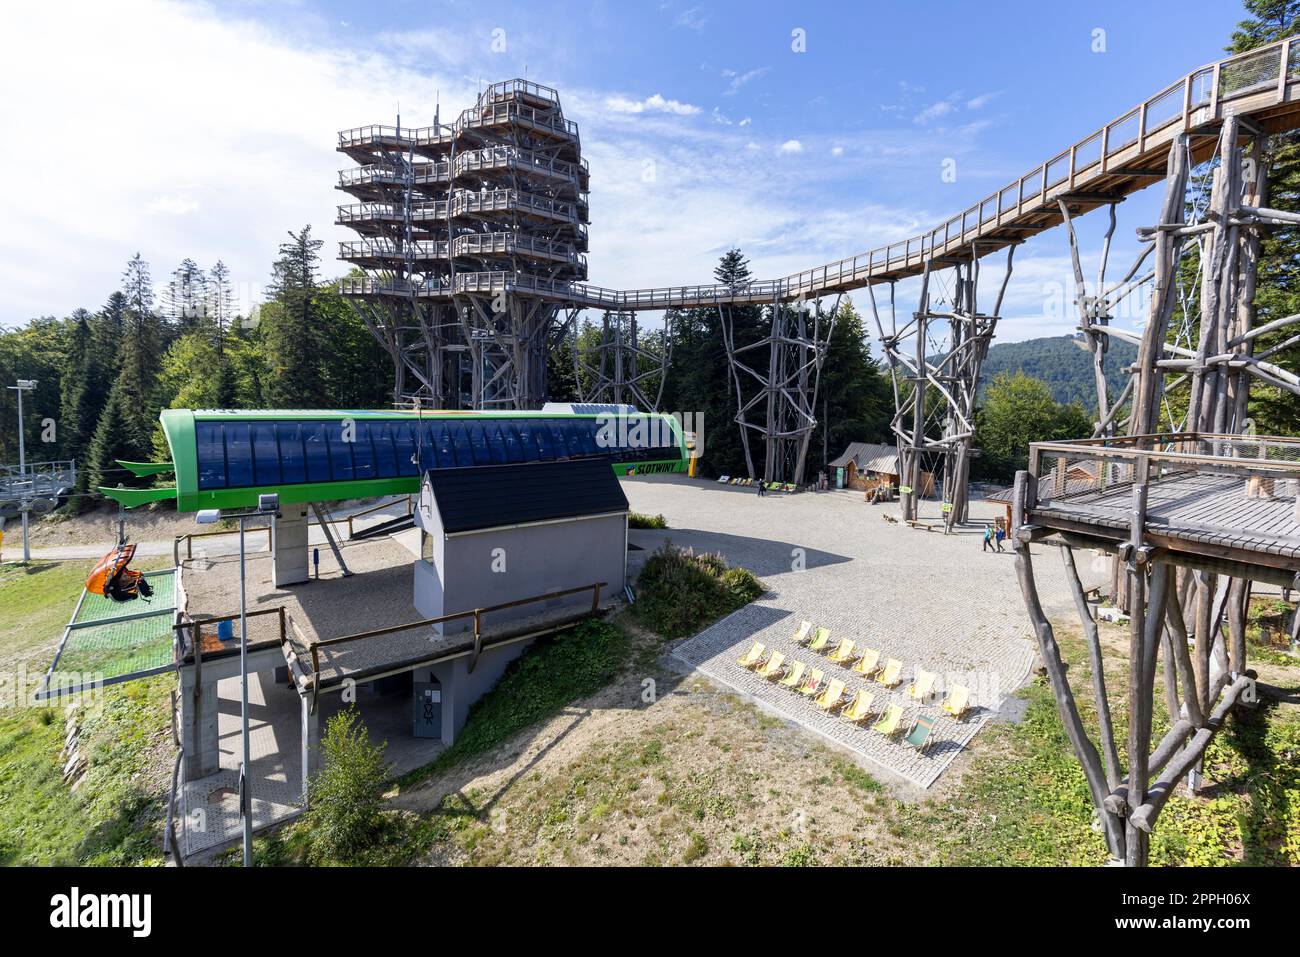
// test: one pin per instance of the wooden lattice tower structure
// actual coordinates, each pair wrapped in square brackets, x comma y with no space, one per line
[626,372]
[1192,507]
[468,231]
[776,380]
[939,352]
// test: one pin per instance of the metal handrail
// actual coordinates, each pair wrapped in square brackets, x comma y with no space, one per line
[475,613]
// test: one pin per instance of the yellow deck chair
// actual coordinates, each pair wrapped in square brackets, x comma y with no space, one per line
[868,664]
[958,700]
[859,708]
[890,720]
[800,637]
[832,696]
[813,683]
[820,640]
[923,685]
[773,666]
[843,655]
[891,674]
[752,657]
[793,675]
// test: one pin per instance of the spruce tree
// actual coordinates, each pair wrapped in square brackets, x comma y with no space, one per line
[125,427]
[1276,411]
[187,300]
[291,328]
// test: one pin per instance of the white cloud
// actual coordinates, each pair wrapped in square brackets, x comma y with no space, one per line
[209,137]
[837,150]
[746,121]
[172,205]
[739,80]
[950,104]
[651,104]
[935,111]
[694,18]
[247,152]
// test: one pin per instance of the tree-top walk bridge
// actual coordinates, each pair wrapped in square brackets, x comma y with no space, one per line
[1120,158]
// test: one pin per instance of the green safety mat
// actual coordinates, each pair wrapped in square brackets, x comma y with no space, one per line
[96,648]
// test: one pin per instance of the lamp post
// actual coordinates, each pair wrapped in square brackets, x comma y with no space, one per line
[267,506]
[24,385]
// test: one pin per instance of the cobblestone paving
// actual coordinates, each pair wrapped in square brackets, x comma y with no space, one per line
[933,601]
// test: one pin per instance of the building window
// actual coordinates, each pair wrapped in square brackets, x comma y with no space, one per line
[426,546]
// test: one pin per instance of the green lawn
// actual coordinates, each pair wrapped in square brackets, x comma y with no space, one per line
[115,815]
[36,602]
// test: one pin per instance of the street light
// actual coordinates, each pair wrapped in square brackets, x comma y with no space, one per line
[267,506]
[24,385]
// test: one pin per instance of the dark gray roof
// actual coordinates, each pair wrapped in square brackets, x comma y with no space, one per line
[869,457]
[489,496]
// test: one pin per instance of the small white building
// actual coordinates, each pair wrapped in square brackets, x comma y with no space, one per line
[496,534]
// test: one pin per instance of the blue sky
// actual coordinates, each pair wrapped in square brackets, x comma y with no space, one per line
[208,129]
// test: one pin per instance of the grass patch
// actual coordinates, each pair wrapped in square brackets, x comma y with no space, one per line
[640,520]
[115,816]
[1267,638]
[679,592]
[36,601]
[1025,801]
[553,672]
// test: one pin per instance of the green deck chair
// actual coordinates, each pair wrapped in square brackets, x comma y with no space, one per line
[919,738]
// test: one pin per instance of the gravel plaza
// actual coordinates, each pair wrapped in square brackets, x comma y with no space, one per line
[933,601]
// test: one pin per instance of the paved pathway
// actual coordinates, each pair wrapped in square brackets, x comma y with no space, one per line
[931,600]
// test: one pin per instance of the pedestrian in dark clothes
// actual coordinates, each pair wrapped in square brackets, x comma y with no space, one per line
[1000,534]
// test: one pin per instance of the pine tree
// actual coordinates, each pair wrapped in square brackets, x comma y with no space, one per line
[187,301]
[77,412]
[221,304]
[110,327]
[125,427]
[1276,411]
[291,328]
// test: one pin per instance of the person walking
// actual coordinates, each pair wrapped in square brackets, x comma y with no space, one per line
[998,535]
[762,489]
[988,538]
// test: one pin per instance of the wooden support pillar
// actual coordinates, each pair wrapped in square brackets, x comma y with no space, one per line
[1050,652]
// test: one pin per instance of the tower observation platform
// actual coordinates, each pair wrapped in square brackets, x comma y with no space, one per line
[468,231]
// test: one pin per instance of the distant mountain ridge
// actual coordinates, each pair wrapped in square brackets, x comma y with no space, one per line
[1063,362]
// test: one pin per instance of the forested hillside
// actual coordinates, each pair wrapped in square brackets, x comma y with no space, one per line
[1063,362]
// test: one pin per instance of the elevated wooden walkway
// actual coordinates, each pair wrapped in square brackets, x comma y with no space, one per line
[1262,87]
[1207,498]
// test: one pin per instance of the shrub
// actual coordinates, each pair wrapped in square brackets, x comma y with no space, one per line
[742,584]
[639,520]
[347,792]
[679,592]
